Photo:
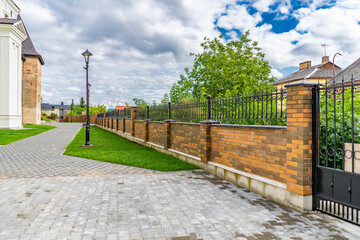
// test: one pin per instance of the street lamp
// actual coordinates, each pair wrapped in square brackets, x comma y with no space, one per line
[334,65]
[87,56]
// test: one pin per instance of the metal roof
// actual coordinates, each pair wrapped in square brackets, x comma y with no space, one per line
[309,73]
[46,106]
[62,106]
[351,71]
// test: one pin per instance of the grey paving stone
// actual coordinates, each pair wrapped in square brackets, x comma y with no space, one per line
[46,195]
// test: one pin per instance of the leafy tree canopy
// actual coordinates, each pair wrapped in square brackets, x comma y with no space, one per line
[166,99]
[140,103]
[78,110]
[224,69]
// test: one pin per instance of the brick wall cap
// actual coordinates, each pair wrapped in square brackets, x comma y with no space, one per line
[252,126]
[147,120]
[134,107]
[186,123]
[209,122]
[140,121]
[156,121]
[303,83]
[169,121]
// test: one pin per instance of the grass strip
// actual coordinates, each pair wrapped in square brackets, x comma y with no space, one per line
[11,135]
[110,147]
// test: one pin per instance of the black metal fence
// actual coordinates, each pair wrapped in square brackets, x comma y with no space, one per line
[339,125]
[336,174]
[265,108]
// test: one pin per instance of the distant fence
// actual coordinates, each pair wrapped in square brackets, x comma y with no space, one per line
[267,108]
[79,118]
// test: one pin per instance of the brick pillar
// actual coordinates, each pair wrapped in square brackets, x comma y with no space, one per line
[133,118]
[299,137]
[205,139]
[167,125]
[124,122]
[146,134]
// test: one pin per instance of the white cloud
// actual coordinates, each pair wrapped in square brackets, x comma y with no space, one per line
[238,17]
[276,73]
[263,5]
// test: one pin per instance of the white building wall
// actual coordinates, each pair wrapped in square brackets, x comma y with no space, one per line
[8,8]
[10,76]
[11,38]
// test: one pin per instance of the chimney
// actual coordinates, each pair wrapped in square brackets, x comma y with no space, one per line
[62,103]
[304,65]
[324,59]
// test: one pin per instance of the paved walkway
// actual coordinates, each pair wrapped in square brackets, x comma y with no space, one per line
[46,195]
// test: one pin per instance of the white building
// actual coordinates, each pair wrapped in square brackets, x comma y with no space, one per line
[16,56]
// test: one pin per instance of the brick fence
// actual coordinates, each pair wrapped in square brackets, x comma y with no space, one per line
[79,118]
[274,161]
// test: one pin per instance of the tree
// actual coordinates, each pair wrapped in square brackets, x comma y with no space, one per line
[72,104]
[224,69]
[97,109]
[166,99]
[140,103]
[77,110]
[82,102]
[153,103]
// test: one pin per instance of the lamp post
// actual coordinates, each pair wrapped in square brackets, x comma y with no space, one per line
[87,56]
[334,65]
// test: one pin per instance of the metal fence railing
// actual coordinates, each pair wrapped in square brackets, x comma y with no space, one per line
[265,108]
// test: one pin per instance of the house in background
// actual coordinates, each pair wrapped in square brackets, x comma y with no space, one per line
[120,107]
[60,110]
[353,70]
[20,71]
[320,73]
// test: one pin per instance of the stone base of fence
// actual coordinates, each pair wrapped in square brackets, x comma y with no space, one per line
[273,190]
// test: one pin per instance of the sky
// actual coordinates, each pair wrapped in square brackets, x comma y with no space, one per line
[141,47]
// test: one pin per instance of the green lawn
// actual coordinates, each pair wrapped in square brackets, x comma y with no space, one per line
[115,149]
[8,136]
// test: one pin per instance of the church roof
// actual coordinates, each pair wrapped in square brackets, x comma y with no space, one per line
[9,21]
[28,48]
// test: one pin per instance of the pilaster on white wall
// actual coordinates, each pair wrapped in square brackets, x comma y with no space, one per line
[11,38]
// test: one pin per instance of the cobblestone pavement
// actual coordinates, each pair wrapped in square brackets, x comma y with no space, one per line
[46,195]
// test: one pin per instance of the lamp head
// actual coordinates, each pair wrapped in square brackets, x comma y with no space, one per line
[87,53]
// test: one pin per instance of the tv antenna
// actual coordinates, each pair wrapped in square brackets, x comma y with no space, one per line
[324,46]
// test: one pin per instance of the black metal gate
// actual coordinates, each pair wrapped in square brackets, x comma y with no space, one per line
[336,151]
